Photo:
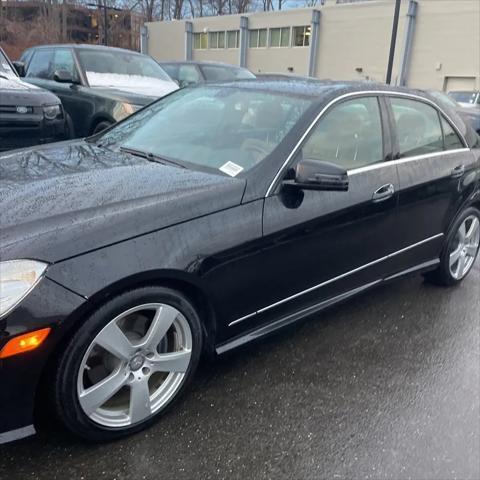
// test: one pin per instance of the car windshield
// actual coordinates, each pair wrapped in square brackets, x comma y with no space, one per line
[5,68]
[118,68]
[464,97]
[227,129]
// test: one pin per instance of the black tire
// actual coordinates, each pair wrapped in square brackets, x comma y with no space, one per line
[442,275]
[66,401]
[101,126]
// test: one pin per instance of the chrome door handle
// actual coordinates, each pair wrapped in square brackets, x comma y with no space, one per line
[383,193]
[458,171]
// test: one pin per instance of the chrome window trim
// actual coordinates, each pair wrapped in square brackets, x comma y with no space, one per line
[400,161]
[356,94]
[334,279]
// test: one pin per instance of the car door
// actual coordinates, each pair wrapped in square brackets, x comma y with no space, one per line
[320,245]
[433,160]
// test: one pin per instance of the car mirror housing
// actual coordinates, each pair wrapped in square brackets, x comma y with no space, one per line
[63,76]
[317,175]
[19,67]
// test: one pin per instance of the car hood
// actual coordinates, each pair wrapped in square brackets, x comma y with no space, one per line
[14,91]
[72,197]
[131,88]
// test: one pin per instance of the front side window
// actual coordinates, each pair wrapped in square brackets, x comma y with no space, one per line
[301,36]
[40,66]
[349,135]
[418,127]
[233,39]
[258,38]
[63,60]
[280,37]
[210,126]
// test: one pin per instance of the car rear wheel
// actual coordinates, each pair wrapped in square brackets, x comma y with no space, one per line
[101,126]
[461,249]
[129,361]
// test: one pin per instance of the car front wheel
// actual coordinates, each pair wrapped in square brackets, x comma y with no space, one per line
[127,363]
[460,251]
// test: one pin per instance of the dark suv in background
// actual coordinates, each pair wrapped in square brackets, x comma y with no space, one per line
[28,115]
[98,85]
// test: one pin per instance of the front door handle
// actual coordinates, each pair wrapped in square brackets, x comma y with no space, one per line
[458,171]
[383,193]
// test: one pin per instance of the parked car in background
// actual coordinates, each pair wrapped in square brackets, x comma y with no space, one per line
[210,219]
[28,115]
[466,98]
[471,115]
[98,85]
[191,73]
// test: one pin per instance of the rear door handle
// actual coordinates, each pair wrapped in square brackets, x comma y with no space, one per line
[458,171]
[383,193]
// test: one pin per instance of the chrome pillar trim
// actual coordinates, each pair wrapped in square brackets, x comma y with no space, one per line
[188,41]
[313,49]
[357,94]
[334,279]
[17,434]
[408,41]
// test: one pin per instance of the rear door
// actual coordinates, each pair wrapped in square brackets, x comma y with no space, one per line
[433,162]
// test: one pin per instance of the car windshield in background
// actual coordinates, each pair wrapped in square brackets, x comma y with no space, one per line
[465,97]
[5,68]
[219,73]
[105,68]
[212,127]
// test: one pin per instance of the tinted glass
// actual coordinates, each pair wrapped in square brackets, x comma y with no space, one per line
[451,139]
[209,126]
[63,60]
[418,127]
[188,75]
[350,135]
[40,66]
[465,97]
[218,73]
[5,68]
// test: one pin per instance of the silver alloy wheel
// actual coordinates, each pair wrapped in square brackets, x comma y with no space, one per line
[135,365]
[464,248]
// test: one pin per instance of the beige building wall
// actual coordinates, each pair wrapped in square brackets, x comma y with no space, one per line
[353,44]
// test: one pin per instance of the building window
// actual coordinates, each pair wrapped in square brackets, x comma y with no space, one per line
[280,37]
[258,38]
[301,36]
[233,39]
[200,41]
[216,40]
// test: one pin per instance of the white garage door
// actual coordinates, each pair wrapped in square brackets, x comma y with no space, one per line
[459,83]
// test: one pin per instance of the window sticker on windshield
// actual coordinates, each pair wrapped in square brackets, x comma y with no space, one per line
[231,169]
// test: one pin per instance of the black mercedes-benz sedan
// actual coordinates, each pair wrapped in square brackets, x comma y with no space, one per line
[209,219]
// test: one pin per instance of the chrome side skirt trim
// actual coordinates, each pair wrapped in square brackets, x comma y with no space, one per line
[356,94]
[17,434]
[339,277]
[293,317]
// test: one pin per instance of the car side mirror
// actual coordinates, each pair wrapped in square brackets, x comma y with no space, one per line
[63,76]
[19,67]
[317,175]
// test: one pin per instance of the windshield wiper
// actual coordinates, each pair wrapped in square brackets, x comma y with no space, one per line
[150,156]
[4,76]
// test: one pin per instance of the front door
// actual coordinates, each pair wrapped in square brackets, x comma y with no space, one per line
[320,244]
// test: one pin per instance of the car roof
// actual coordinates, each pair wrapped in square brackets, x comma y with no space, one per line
[317,89]
[86,46]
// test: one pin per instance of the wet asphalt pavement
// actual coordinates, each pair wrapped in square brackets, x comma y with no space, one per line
[386,386]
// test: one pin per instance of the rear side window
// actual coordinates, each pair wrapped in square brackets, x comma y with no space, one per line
[451,139]
[40,66]
[349,135]
[418,127]
[216,73]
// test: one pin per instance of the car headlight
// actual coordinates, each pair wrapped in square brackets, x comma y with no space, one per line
[51,112]
[17,279]
[124,109]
